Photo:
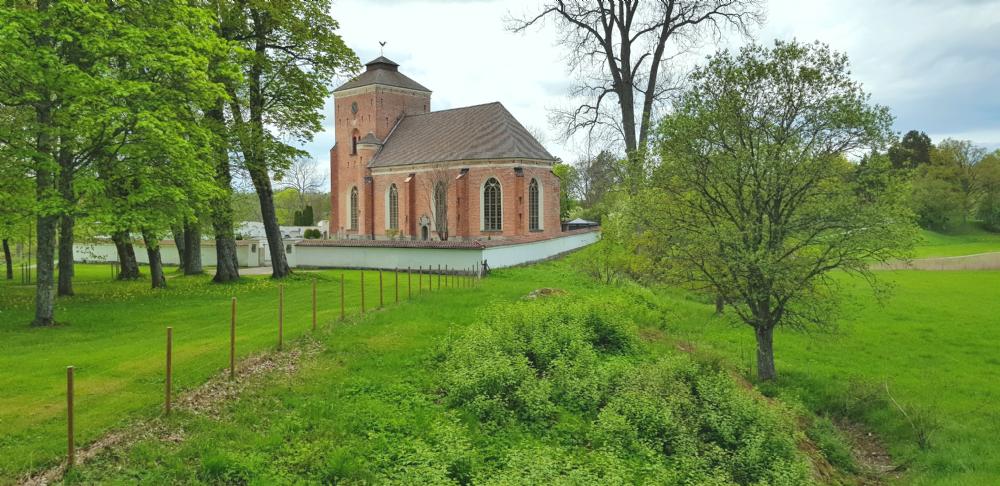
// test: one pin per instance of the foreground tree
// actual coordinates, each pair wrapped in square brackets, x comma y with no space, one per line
[620,51]
[755,199]
[294,54]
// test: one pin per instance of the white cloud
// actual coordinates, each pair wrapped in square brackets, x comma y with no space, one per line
[935,63]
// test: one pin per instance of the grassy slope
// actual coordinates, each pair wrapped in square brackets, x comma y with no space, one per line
[114,335]
[968,240]
[934,343]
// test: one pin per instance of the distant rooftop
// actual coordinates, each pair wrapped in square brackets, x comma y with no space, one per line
[382,71]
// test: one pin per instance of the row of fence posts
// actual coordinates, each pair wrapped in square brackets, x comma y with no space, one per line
[465,278]
[116,268]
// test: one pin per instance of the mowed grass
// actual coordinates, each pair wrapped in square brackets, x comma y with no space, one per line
[935,342]
[114,334]
[970,239]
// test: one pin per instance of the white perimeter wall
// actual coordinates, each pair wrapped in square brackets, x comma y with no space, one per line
[461,258]
[106,252]
[510,255]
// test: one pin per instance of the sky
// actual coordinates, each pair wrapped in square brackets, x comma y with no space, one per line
[935,63]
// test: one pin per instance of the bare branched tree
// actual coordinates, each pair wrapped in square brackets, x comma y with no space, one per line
[305,176]
[435,189]
[621,51]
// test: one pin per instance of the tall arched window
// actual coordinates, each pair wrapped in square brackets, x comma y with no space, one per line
[533,205]
[441,208]
[354,208]
[393,207]
[492,206]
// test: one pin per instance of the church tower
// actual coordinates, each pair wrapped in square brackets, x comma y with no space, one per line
[366,109]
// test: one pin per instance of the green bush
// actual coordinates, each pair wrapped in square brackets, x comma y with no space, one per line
[573,375]
[312,234]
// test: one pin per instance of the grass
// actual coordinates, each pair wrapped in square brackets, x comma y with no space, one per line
[364,401]
[966,240]
[113,333]
[933,342]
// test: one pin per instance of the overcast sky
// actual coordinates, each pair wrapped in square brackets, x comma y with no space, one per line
[935,63]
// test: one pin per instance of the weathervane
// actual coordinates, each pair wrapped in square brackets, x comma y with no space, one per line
[381,51]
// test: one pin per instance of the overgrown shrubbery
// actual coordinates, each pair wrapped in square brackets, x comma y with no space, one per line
[597,408]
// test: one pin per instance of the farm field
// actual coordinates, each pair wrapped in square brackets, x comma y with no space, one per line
[929,343]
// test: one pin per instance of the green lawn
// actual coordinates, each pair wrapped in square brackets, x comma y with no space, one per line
[968,240]
[363,400]
[113,333]
[935,342]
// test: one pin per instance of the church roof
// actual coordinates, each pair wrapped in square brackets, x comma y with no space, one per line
[382,71]
[471,133]
[370,139]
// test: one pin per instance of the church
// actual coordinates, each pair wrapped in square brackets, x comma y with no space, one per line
[399,171]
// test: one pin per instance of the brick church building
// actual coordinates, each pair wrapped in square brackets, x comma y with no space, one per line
[401,171]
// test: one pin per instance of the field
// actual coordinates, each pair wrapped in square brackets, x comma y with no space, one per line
[361,399]
[967,240]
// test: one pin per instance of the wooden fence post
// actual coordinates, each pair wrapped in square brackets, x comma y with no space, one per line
[281,315]
[170,368]
[314,305]
[381,300]
[395,274]
[70,443]
[409,284]
[342,313]
[446,277]
[232,342]
[439,276]
[420,279]
[362,292]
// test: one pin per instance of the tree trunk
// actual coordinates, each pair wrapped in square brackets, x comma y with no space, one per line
[765,353]
[66,224]
[126,256]
[155,261]
[720,304]
[44,184]
[227,267]
[178,233]
[256,163]
[7,258]
[192,248]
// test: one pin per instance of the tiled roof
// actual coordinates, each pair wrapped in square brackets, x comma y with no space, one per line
[385,72]
[473,244]
[472,133]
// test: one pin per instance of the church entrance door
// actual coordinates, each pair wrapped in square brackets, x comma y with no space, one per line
[423,233]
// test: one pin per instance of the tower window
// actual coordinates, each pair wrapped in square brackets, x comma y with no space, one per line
[354,208]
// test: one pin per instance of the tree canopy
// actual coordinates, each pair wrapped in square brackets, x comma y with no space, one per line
[755,200]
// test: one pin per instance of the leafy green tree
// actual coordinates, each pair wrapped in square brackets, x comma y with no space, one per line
[912,151]
[988,180]
[945,190]
[754,200]
[567,175]
[294,53]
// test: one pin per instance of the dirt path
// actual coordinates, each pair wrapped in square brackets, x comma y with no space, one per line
[981,261]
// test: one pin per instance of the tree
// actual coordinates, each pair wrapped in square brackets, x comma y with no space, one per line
[294,55]
[988,180]
[568,176]
[912,151]
[963,156]
[598,176]
[754,199]
[305,176]
[620,51]
[435,190]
